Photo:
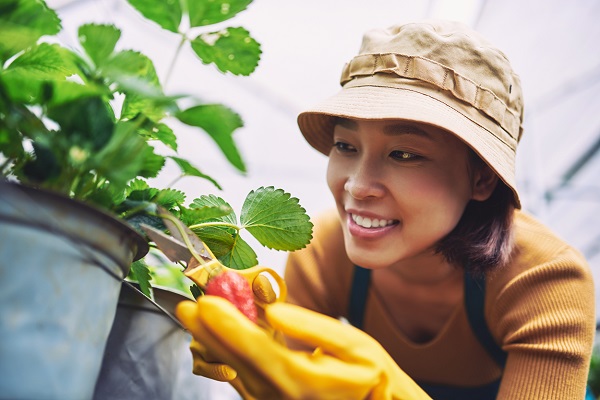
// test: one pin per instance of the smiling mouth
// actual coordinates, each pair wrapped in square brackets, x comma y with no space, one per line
[371,223]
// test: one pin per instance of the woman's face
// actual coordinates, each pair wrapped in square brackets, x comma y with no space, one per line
[399,187]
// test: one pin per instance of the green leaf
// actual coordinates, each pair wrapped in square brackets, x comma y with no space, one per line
[241,255]
[169,198]
[140,273]
[164,134]
[231,50]
[276,219]
[207,12]
[188,169]
[166,13]
[137,184]
[22,23]
[88,123]
[25,77]
[123,157]
[219,122]
[170,276]
[211,200]
[146,194]
[153,163]
[98,41]
[195,214]
[218,240]
[61,92]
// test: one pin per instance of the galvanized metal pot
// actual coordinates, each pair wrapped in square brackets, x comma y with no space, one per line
[61,267]
[147,349]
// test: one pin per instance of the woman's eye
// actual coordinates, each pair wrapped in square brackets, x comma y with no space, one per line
[403,155]
[343,147]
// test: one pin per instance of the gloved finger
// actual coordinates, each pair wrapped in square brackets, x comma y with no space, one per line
[263,290]
[205,365]
[317,330]
[345,342]
[270,370]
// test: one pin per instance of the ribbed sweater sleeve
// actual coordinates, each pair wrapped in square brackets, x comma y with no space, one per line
[543,316]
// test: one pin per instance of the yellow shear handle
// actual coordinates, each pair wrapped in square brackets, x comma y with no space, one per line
[256,280]
[201,273]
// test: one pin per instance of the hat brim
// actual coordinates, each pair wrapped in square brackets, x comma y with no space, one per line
[379,102]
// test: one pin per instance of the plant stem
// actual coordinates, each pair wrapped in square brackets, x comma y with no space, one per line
[183,234]
[207,224]
[175,57]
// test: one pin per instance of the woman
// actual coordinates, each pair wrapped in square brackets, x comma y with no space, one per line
[460,294]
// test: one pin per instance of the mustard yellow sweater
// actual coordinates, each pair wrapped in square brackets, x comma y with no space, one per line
[540,309]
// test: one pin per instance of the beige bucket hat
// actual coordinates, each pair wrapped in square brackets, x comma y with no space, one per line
[435,72]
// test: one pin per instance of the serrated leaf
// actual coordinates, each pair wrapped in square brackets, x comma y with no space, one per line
[22,23]
[98,41]
[140,273]
[152,162]
[219,122]
[188,169]
[211,200]
[137,184]
[132,64]
[196,215]
[166,13]
[27,75]
[206,12]
[241,255]
[169,198]
[165,135]
[146,194]
[276,219]
[231,50]
[218,240]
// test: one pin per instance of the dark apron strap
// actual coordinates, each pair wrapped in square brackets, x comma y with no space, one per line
[474,300]
[474,305]
[358,296]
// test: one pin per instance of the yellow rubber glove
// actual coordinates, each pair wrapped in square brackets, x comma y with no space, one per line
[347,363]
[208,365]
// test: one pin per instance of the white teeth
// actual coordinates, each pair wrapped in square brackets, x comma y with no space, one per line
[371,222]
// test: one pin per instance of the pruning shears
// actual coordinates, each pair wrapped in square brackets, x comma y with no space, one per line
[183,245]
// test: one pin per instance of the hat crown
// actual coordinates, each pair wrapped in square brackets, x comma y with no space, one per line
[456,47]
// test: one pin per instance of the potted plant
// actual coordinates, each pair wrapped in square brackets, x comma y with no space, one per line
[77,127]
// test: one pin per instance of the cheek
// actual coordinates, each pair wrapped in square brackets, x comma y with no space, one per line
[439,197]
[334,178]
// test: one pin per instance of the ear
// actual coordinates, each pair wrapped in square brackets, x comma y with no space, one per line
[484,182]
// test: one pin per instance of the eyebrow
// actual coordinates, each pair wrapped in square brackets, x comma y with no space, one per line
[391,130]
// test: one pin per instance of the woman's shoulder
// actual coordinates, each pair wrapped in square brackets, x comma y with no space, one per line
[539,255]
[536,244]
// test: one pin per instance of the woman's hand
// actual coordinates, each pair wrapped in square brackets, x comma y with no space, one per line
[347,363]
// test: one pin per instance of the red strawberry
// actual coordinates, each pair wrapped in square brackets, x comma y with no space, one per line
[233,287]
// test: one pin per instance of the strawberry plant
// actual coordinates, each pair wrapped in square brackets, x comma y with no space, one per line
[84,121]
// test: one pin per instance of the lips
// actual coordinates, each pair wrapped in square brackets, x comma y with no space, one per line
[369,227]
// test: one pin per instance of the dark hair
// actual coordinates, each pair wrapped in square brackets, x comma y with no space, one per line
[483,238]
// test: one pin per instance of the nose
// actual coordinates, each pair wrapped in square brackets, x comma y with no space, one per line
[364,182]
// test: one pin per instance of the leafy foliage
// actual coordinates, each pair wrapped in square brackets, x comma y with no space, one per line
[82,121]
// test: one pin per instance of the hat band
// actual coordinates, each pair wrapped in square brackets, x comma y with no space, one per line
[416,67]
